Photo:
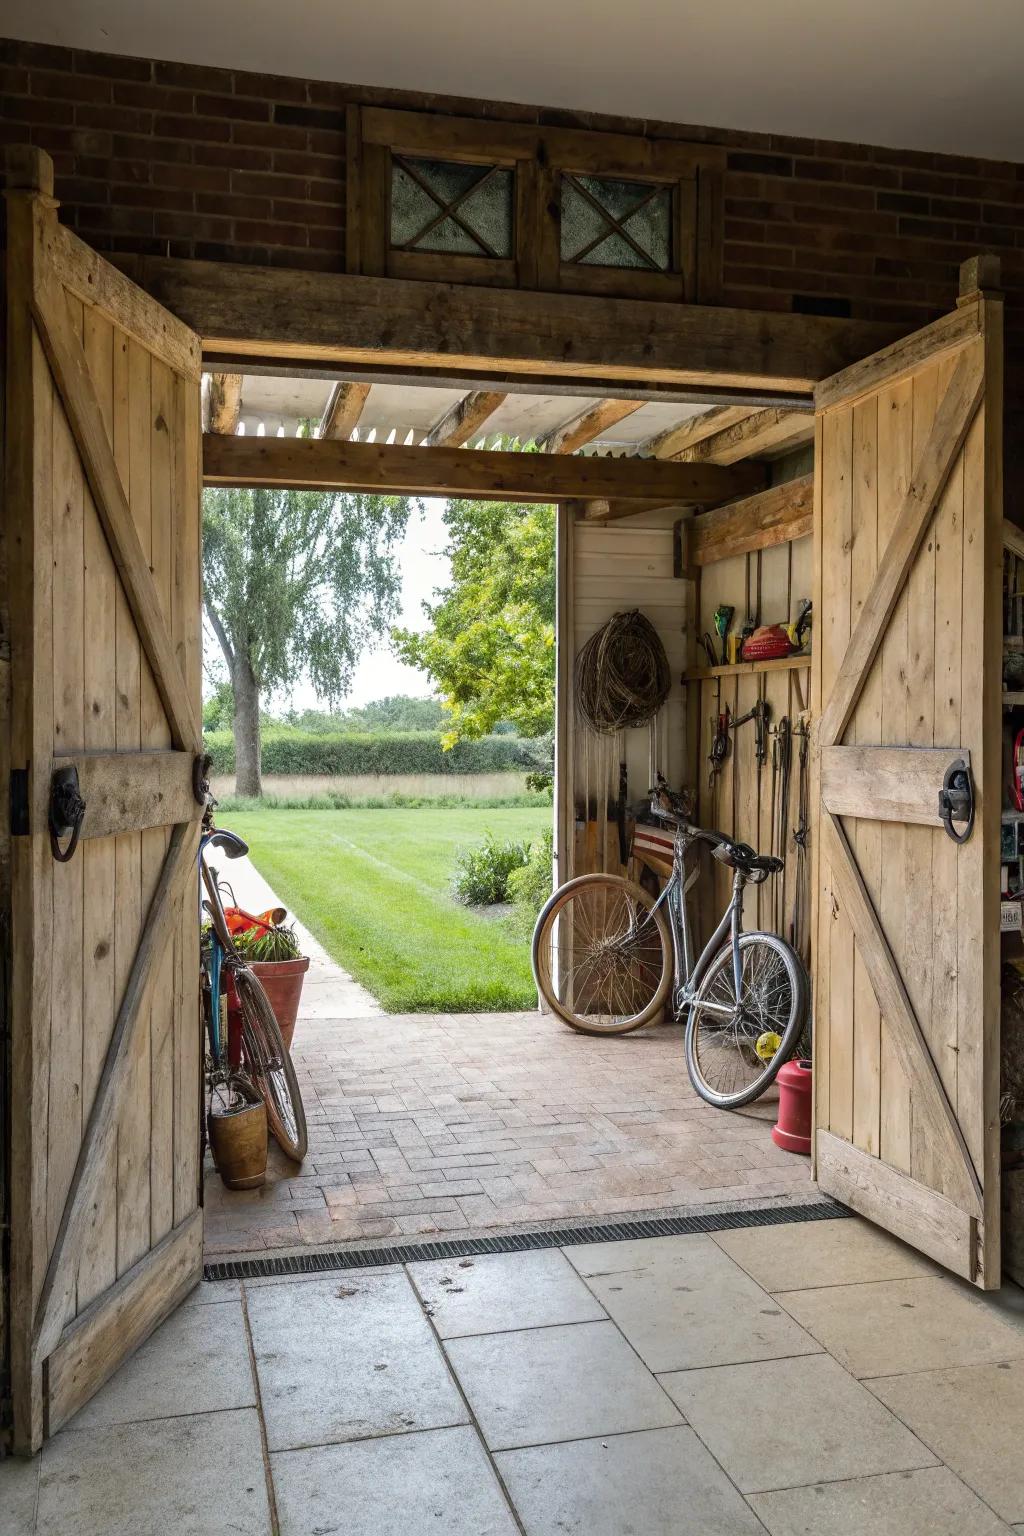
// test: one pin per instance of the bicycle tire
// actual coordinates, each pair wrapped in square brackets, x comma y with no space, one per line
[543,940]
[798,982]
[270,1066]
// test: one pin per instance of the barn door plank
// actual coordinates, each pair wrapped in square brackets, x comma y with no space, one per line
[179,864]
[931,470]
[71,372]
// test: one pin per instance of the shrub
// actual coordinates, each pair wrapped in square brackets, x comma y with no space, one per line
[289,751]
[529,886]
[338,800]
[482,873]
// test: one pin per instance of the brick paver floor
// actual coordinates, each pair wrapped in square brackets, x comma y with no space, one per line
[463,1123]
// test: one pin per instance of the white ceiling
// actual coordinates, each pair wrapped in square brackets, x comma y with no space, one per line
[917,74]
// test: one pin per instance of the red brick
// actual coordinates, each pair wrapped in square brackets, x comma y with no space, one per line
[116,119]
[270,87]
[198,178]
[270,135]
[270,233]
[193,128]
[234,107]
[269,186]
[312,214]
[157,98]
[233,157]
[194,77]
[28,109]
[235,207]
[13,80]
[35,55]
[113,66]
[59,86]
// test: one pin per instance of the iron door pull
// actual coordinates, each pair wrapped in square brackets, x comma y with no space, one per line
[67,812]
[956,801]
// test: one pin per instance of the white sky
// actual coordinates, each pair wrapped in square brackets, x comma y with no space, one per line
[380,673]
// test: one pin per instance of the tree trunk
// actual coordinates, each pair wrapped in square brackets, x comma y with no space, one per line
[248,775]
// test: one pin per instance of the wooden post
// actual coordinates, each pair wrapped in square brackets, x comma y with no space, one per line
[980,276]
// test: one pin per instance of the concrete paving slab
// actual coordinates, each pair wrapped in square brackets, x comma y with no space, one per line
[692,1306]
[19,1487]
[550,1384]
[973,1418]
[931,1502]
[438,1480]
[889,1327]
[496,1293]
[784,1423]
[346,1358]
[197,1360]
[201,1474]
[641,1483]
[804,1254]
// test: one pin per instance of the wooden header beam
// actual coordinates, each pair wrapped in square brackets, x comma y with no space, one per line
[323,463]
[334,318]
[775,516]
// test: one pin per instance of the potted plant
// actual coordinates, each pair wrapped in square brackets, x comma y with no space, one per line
[272,950]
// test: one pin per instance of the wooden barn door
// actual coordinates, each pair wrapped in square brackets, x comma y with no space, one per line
[102,550]
[906,685]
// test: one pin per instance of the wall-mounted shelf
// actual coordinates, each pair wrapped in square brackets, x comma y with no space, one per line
[741,668]
[1013,700]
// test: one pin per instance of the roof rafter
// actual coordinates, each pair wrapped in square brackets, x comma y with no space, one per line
[670,444]
[759,434]
[588,424]
[465,417]
[225,401]
[343,410]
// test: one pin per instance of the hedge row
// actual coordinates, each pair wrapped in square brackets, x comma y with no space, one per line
[387,752]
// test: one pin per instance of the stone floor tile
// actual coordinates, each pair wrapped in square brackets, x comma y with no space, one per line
[189,1475]
[348,1357]
[973,1418]
[931,1502]
[197,1360]
[783,1423]
[889,1327]
[19,1485]
[801,1255]
[562,1383]
[439,1480]
[498,1292]
[689,1305]
[638,1482]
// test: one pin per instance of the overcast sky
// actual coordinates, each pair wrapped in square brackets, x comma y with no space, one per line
[381,673]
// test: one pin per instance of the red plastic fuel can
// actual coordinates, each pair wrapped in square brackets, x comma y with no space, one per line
[792,1131]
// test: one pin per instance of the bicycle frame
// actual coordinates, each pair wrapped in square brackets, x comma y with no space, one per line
[689,974]
[221,945]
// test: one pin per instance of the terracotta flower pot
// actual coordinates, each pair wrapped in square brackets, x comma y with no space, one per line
[282,982]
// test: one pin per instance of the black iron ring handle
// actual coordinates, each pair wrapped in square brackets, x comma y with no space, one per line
[956,801]
[67,813]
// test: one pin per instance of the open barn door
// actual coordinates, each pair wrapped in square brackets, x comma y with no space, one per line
[906,685]
[101,542]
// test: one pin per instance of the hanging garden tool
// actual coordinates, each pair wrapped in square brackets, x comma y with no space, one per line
[719,746]
[723,622]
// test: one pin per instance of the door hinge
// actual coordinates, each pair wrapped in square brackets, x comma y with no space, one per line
[19,802]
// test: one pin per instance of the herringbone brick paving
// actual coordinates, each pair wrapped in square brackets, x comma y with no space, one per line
[453,1123]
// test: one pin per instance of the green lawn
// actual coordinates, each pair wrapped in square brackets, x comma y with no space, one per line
[373,886]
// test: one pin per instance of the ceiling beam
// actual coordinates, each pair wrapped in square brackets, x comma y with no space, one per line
[325,463]
[774,516]
[668,445]
[343,410]
[225,401]
[603,510]
[338,318]
[756,436]
[465,418]
[587,425]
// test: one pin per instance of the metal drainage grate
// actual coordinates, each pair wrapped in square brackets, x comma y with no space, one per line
[318,1261]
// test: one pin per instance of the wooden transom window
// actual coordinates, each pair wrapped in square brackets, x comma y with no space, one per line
[516,205]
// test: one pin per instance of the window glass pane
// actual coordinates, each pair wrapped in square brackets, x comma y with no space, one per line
[612,223]
[441,205]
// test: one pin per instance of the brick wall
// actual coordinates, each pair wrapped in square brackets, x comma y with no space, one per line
[180,160]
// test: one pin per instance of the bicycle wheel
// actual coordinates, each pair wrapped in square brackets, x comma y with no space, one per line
[602,955]
[270,1066]
[733,1056]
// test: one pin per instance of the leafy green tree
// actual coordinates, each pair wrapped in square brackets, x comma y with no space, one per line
[219,708]
[295,585]
[490,649]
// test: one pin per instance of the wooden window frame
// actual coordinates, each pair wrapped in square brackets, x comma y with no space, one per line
[538,157]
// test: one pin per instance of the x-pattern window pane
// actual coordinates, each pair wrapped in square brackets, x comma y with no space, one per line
[443,205]
[611,223]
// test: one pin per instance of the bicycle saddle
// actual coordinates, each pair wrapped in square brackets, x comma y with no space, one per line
[231,843]
[746,859]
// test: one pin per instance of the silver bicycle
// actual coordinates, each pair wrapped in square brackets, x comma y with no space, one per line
[608,957]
